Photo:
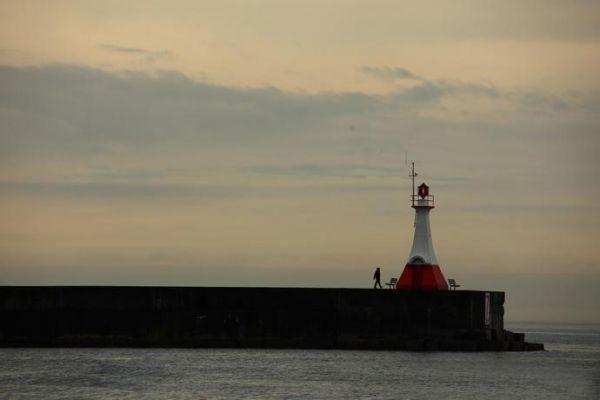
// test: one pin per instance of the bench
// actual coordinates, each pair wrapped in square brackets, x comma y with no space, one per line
[452,284]
[392,283]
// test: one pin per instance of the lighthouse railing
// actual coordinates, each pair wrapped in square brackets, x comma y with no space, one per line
[427,201]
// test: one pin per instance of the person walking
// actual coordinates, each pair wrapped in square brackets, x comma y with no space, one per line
[377,278]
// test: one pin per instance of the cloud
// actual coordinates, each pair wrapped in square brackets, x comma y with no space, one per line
[149,55]
[136,108]
[172,193]
[429,90]
[387,73]
[102,190]
[85,136]
[329,170]
[131,106]
[127,121]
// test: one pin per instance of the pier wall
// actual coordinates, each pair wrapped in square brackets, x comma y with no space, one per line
[255,317]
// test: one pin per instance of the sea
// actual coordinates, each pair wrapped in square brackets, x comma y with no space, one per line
[568,369]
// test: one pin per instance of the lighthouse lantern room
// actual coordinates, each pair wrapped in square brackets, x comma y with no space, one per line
[422,271]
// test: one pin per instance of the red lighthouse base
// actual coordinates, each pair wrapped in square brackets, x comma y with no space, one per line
[422,277]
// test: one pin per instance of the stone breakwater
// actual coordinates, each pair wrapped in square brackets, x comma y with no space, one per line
[204,317]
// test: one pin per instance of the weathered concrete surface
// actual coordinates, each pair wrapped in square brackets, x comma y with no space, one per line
[255,317]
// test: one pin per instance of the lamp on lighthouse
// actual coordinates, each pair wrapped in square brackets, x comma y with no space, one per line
[422,271]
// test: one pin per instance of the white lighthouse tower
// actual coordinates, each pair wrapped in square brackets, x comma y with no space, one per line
[422,271]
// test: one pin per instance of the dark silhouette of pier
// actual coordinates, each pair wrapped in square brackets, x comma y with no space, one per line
[256,318]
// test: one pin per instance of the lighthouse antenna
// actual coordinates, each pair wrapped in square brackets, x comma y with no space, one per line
[412,174]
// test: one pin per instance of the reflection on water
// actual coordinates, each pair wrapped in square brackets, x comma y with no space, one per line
[570,368]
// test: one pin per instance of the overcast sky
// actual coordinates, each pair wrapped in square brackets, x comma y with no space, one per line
[261,143]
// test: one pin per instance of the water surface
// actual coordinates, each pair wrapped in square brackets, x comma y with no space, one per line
[569,369]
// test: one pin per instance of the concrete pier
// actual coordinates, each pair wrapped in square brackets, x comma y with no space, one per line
[256,318]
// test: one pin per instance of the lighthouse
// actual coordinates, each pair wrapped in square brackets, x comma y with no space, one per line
[422,271]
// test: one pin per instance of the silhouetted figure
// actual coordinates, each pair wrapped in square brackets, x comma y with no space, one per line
[377,277]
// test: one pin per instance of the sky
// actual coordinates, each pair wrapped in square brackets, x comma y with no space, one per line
[265,143]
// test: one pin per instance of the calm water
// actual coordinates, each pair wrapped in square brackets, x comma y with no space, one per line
[570,369]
